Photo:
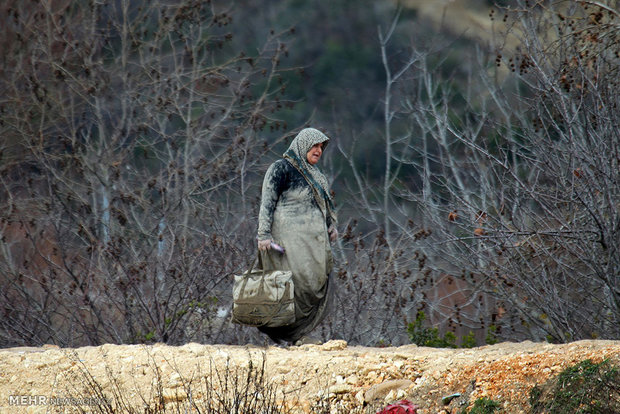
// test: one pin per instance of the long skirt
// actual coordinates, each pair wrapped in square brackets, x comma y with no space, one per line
[301,230]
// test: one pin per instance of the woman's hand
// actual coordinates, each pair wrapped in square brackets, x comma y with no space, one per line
[264,245]
[333,233]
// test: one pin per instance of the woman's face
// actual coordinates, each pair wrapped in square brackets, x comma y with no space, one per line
[315,153]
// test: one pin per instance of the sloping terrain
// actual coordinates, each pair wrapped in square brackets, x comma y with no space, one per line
[345,378]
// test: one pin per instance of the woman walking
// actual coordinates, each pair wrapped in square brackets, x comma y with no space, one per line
[297,213]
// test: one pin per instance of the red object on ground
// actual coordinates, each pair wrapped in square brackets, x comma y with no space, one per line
[401,407]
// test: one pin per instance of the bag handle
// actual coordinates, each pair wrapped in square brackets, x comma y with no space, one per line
[252,266]
[257,258]
[248,271]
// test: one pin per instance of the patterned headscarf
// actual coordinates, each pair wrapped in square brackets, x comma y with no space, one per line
[296,155]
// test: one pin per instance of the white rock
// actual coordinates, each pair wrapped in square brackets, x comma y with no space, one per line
[340,389]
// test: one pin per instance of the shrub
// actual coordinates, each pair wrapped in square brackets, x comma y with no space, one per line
[211,388]
[423,336]
[491,337]
[483,406]
[584,388]
[227,390]
[468,341]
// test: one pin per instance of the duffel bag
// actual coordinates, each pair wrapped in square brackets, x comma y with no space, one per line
[264,298]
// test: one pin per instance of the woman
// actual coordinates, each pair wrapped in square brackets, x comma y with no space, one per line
[297,212]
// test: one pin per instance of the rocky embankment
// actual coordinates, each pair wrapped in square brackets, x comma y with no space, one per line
[333,375]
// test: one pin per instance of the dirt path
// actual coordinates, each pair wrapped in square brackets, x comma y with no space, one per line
[350,379]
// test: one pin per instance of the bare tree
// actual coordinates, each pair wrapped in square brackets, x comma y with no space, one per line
[499,202]
[524,197]
[130,138]
[382,279]
[132,142]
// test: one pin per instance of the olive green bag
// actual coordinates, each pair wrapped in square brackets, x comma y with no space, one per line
[263,298]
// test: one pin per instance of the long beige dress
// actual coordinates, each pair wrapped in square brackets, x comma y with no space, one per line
[296,212]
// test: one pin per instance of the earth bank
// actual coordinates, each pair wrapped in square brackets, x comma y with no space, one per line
[343,378]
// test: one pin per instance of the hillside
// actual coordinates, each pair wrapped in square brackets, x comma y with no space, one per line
[349,378]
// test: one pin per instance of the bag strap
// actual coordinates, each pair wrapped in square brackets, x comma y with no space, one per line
[258,258]
[247,272]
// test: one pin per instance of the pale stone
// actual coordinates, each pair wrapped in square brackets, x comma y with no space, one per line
[334,345]
[340,389]
[175,380]
[176,394]
[380,390]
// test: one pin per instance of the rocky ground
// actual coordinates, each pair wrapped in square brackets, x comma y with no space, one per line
[332,377]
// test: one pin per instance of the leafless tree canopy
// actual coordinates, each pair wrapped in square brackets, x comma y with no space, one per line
[129,132]
[520,185]
[134,136]
[511,177]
